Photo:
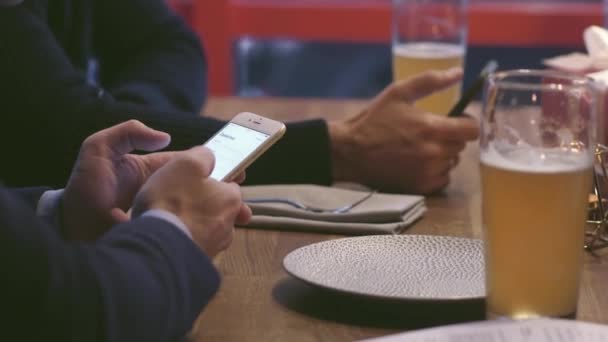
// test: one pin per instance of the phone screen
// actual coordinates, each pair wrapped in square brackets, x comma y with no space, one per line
[231,146]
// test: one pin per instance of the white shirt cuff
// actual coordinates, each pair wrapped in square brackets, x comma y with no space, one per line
[169,217]
[48,206]
[50,201]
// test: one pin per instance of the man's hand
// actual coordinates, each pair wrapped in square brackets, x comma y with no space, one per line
[395,147]
[209,208]
[106,177]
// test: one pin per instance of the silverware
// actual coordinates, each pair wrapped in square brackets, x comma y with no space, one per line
[299,205]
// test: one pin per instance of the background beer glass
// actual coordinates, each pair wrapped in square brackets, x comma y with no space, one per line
[429,35]
[536,153]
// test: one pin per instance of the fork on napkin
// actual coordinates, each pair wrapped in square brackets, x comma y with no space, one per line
[378,214]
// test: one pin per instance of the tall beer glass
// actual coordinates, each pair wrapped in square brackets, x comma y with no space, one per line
[537,143]
[429,35]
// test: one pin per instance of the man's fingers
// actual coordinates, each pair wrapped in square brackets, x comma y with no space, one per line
[118,216]
[435,185]
[155,161]
[198,161]
[469,116]
[448,165]
[233,192]
[419,86]
[240,178]
[454,147]
[453,129]
[203,157]
[244,215]
[128,136]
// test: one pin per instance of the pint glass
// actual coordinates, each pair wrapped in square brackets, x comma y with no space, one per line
[429,35]
[536,155]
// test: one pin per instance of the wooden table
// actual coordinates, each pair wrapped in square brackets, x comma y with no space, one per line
[258,301]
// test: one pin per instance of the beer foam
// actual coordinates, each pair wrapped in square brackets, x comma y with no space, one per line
[536,160]
[428,50]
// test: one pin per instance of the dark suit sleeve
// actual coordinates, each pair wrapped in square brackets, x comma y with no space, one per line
[143,281]
[31,196]
[148,55]
[49,109]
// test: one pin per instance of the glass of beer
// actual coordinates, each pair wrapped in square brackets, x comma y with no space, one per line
[429,35]
[536,154]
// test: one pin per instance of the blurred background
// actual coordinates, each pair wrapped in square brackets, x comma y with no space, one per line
[341,48]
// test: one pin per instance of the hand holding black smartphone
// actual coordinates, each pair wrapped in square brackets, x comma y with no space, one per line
[473,90]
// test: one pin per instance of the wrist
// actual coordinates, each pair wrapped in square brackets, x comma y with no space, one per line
[342,151]
[74,227]
[74,217]
[142,206]
[170,218]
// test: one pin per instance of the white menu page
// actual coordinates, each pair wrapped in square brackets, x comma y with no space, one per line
[536,330]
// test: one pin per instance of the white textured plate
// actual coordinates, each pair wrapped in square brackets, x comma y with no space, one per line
[413,267]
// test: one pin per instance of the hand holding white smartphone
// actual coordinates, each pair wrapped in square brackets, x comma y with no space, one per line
[241,142]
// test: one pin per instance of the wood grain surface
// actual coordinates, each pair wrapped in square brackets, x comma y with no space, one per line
[258,301]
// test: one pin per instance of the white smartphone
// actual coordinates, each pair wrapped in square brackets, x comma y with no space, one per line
[241,142]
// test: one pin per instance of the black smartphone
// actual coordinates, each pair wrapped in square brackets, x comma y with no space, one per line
[473,90]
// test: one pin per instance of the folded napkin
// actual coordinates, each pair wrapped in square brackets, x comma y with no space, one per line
[379,214]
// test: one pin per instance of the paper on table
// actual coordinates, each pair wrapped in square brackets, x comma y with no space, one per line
[576,62]
[537,330]
[601,77]
[596,42]
[596,58]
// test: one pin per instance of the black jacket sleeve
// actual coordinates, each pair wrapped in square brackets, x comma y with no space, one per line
[48,109]
[148,55]
[31,195]
[143,281]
